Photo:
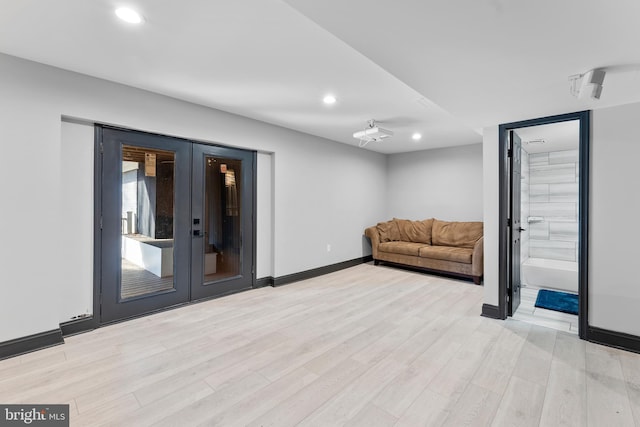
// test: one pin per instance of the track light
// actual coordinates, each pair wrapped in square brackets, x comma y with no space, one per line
[587,85]
[591,85]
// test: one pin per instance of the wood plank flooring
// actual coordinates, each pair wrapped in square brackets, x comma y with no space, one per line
[366,346]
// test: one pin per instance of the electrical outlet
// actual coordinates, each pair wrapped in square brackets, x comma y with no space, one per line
[328,247]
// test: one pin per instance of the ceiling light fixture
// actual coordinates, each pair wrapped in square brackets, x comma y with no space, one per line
[329,99]
[416,136]
[129,15]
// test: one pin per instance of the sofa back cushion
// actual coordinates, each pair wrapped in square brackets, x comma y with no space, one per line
[388,231]
[458,234]
[415,231]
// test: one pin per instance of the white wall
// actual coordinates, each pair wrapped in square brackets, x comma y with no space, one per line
[76,220]
[324,192]
[264,215]
[32,243]
[491,209]
[614,293]
[331,197]
[614,287]
[444,183]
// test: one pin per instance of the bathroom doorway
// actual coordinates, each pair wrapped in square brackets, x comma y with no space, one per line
[544,213]
[548,182]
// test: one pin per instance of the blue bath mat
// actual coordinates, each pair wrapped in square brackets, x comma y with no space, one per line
[557,301]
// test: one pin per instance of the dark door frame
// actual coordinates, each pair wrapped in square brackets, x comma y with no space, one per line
[95,320]
[583,210]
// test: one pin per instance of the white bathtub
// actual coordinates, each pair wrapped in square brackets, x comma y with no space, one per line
[154,255]
[550,273]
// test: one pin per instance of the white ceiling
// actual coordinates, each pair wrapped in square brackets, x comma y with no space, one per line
[445,69]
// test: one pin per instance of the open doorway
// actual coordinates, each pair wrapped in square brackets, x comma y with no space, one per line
[543,233]
[549,179]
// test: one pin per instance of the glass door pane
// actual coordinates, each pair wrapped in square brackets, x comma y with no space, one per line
[222,218]
[147,221]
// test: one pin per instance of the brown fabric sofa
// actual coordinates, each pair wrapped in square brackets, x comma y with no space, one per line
[450,247]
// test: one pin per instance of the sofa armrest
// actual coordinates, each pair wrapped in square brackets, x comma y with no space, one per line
[374,236]
[477,259]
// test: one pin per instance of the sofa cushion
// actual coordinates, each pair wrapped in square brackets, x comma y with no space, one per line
[415,231]
[388,231]
[403,248]
[458,234]
[447,253]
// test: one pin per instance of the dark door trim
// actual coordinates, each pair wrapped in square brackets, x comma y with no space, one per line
[583,210]
[97,227]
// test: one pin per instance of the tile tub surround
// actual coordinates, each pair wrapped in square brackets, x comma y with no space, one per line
[524,205]
[553,195]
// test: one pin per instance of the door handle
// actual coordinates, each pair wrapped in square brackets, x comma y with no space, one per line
[522,229]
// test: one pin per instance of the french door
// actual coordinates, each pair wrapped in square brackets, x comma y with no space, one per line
[176,222]
[222,221]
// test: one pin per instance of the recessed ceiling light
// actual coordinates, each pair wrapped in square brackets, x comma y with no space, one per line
[129,15]
[416,136]
[329,99]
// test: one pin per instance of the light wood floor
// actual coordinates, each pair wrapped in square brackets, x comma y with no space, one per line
[366,346]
